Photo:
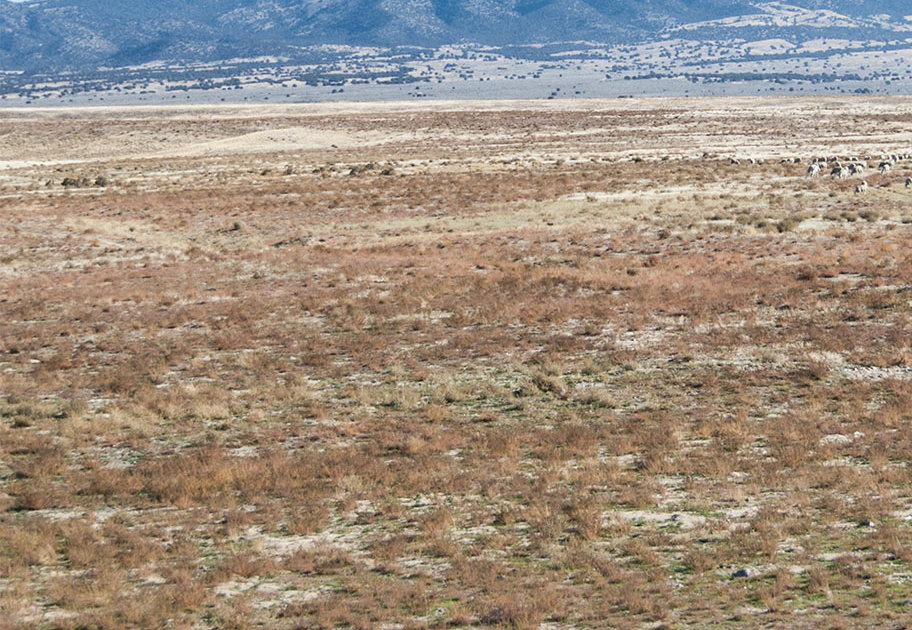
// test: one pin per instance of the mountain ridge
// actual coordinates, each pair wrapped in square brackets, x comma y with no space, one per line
[57,35]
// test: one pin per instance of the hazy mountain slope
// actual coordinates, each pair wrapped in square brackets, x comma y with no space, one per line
[56,34]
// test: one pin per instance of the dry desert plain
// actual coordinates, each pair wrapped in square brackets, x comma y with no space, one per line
[449,365]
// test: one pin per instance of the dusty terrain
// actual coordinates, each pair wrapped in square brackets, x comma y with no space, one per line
[430,365]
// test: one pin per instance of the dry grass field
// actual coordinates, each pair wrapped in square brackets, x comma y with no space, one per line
[455,365]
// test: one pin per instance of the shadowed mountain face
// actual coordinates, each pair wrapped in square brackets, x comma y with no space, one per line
[52,35]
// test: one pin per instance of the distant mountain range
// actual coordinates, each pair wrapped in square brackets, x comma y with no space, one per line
[56,35]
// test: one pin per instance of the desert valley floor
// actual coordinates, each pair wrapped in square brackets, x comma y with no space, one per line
[558,365]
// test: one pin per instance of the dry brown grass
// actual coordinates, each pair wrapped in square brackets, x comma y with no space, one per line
[492,384]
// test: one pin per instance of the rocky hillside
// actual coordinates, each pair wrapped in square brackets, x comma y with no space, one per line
[53,35]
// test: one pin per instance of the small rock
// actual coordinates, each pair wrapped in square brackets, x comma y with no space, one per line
[835,438]
[746,572]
